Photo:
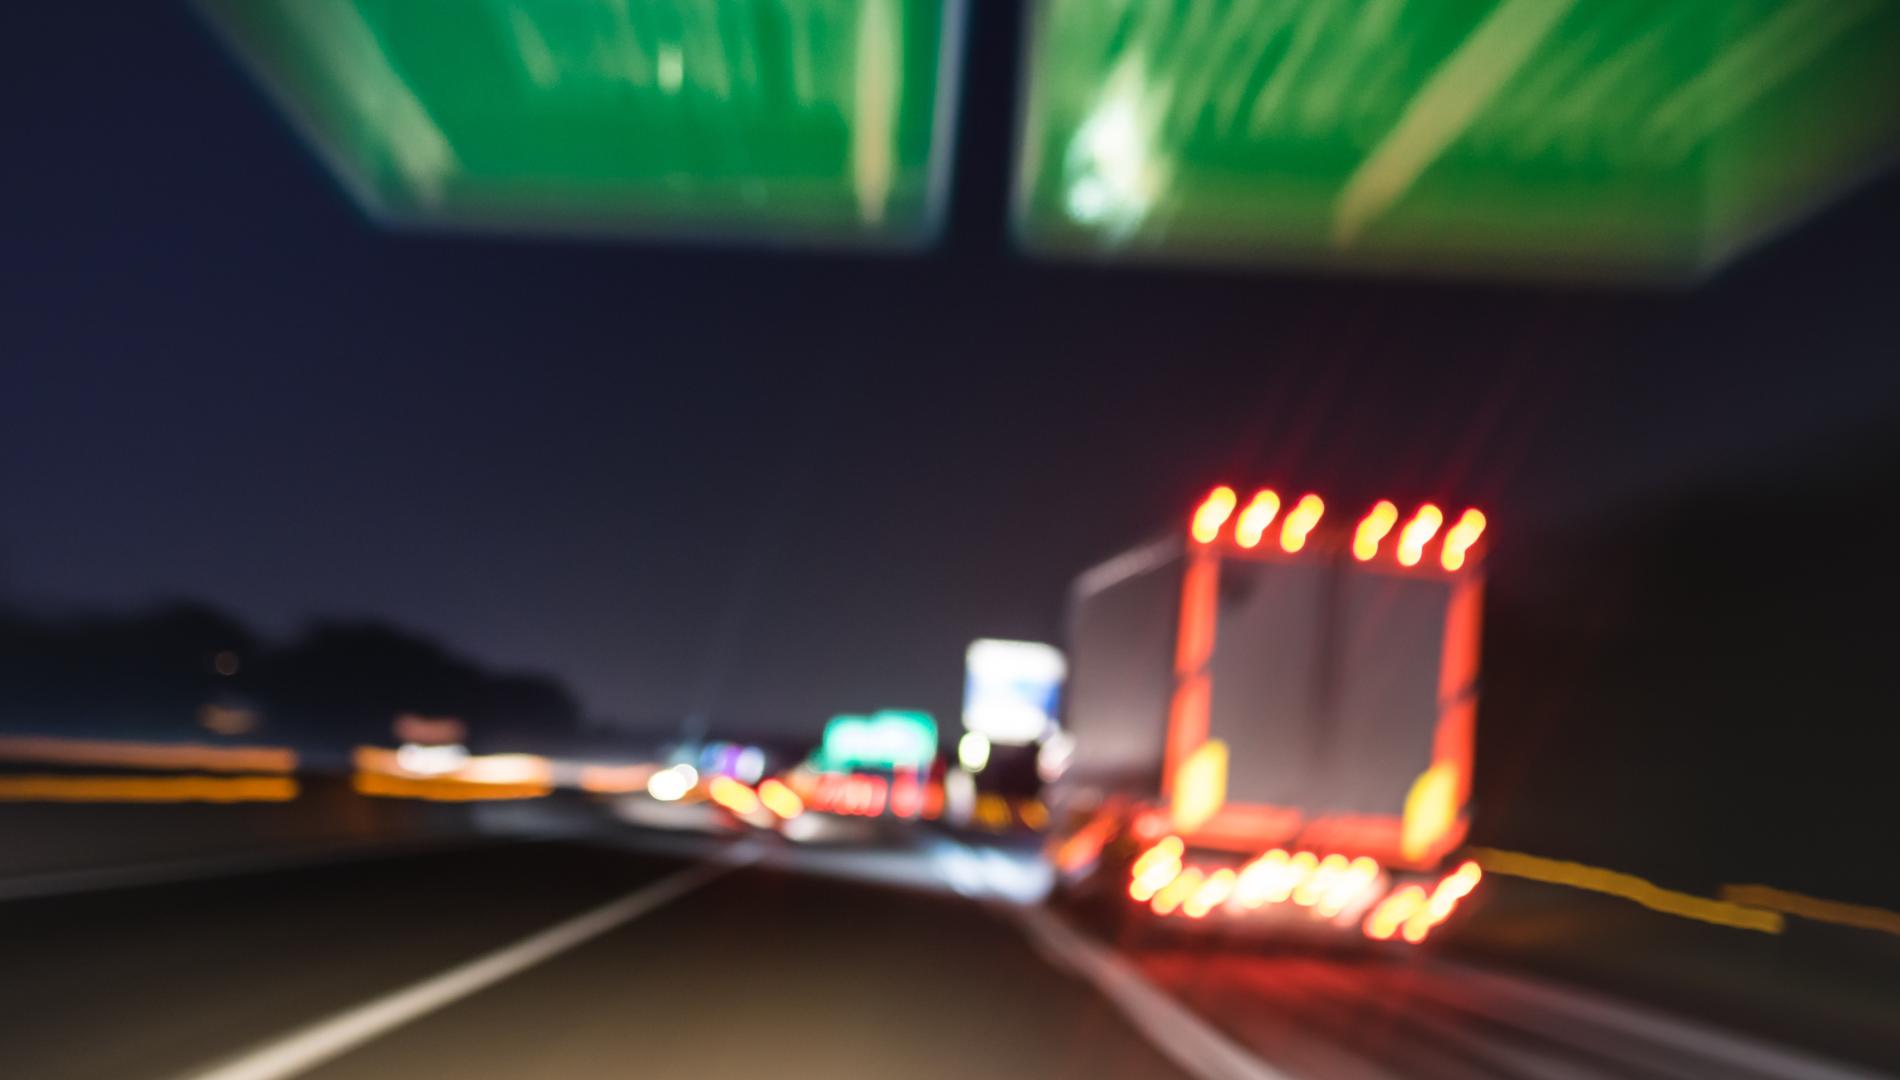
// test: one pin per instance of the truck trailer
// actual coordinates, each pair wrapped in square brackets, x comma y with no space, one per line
[1272,715]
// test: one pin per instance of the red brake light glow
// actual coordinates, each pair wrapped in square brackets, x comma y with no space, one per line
[1365,541]
[733,795]
[1213,513]
[1300,521]
[780,799]
[1460,538]
[1254,520]
[1176,892]
[1212,894]
[1418,532]
[1393,911]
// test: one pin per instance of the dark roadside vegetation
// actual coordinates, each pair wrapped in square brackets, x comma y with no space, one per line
[1695,690]
[162,673]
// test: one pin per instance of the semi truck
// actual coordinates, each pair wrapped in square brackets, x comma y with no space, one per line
[1270,720]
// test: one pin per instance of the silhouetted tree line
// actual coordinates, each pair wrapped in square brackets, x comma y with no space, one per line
[153,673]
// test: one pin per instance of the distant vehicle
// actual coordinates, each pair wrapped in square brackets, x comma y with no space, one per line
[1272,721]
[864,805]
[871,775]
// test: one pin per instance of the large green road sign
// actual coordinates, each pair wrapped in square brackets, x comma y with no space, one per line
[1569,137]
[820,120]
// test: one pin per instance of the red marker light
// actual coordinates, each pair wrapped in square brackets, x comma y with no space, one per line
[1300,521]
[1444,900]
[1459,883]
[781,799]
[1365,541]
[878,789]
[1155,869]
[733,795]
[1212,894]
[1460,538]
[1255,518]
[1393,912]
[907,796]
[1213,513]
[1176,892]
[1417,533]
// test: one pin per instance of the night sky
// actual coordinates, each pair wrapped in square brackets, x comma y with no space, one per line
[769,486]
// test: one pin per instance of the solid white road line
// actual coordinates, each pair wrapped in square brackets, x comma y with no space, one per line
[1534,1004]
[1567,1016]
[1174,1029]
[308,1047]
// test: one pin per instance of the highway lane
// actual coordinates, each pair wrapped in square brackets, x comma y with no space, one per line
[897,962]
[771,973]
[1349,1016]
[763,972]
[154,981]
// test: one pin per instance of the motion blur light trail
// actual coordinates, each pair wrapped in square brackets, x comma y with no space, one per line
[780,799]
[531,769]
[147,789]
[733,795]
[673,784]
[1443,901]
[1858,916]
[51,750]
[1629,887]
[421,760]
[615,779]
[383,785]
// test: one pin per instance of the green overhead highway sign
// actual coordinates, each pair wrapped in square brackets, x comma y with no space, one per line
[799,120]
[886,739]
[1575,138]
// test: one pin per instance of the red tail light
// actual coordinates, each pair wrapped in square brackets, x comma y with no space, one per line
[1365,541]
[1393,911]
[780,799]
[1212,894]
[1300,521]
[1176,892]
[1155,869]
[1460,538]
[733,795]
[1418,532]
[1254,520]
[1213,513]
[1413,913]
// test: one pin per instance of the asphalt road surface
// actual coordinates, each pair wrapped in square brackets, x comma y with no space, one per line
[634,958]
